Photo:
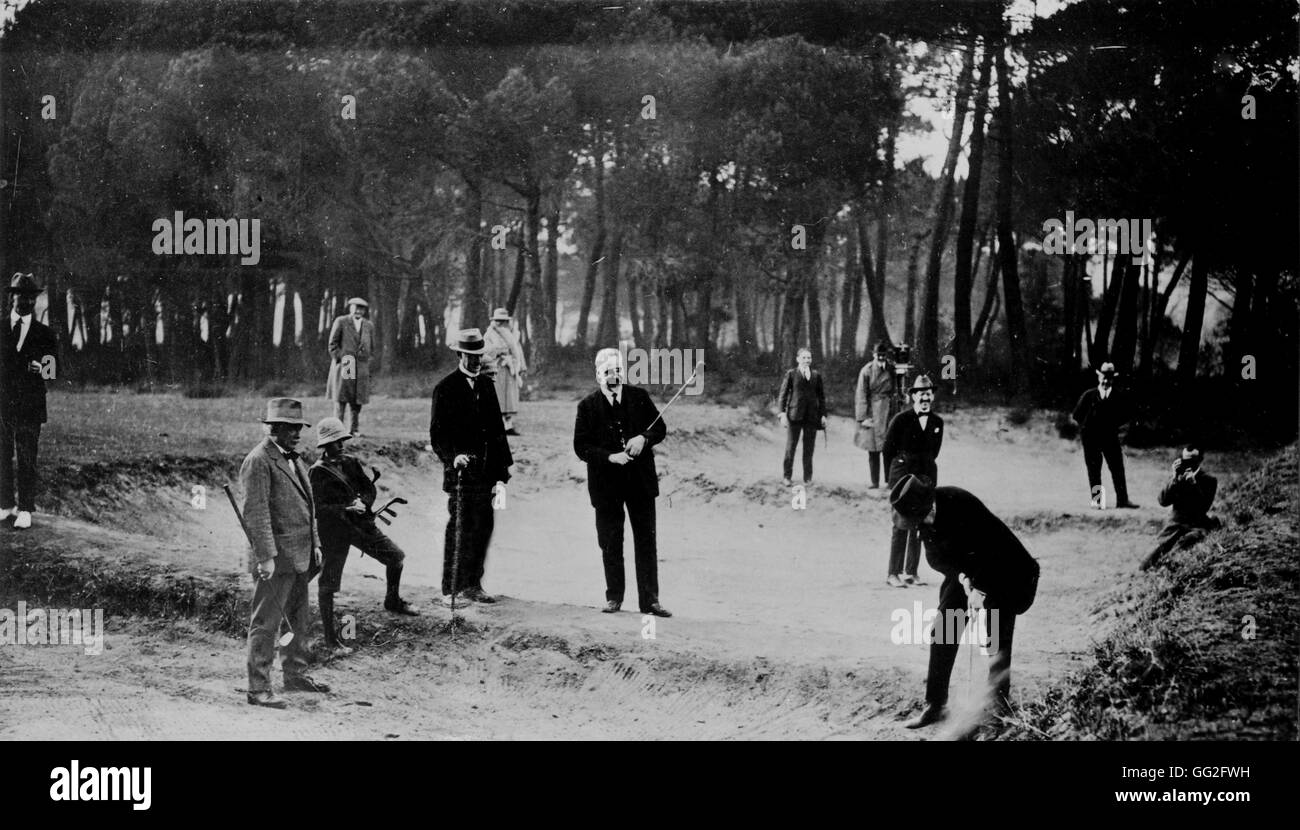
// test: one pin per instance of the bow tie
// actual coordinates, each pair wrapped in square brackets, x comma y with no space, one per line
[291,456]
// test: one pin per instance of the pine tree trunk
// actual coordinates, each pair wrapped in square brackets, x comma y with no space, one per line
[964,276]
[1007,247]
[941,210]
[1190,351]
[471,309]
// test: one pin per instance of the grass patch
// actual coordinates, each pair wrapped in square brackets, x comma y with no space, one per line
[1186,665]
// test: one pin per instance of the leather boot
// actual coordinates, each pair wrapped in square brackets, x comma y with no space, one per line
[332,641]
[393,601]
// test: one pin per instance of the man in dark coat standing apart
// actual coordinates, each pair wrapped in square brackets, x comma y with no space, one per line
[911,446]
[802,400]
[1100,413]
[468,436]
[29,351]
[984,566]
[615,432]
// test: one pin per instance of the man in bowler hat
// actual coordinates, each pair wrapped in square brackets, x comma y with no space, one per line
[911,446]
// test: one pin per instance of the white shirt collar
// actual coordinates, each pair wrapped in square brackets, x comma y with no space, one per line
[610,394]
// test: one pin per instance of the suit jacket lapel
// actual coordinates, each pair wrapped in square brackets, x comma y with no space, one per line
[282,464]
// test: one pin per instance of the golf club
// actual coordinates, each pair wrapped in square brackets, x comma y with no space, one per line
[694,372]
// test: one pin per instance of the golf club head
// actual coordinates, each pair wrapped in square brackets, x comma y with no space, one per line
[399,500]
[381,517]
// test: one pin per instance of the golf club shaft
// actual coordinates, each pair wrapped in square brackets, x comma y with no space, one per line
[660,416]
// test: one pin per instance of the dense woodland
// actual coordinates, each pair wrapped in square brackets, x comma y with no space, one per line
[506,153]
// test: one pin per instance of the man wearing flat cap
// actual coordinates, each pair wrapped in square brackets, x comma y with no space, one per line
[984,566]
[1100,413]
[28,347]
[467,435]
[351,343]
[505,360]
[280,521]
[345,498]
[911,445]
[616,430]
[1190,492]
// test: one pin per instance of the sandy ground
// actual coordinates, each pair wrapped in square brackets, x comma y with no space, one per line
[782,619]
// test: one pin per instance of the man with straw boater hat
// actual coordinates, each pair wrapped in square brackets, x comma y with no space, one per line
[279,519]
[504,358]
[28,347]
[345,498]
[467,435]
[984,566]
[911,446]
[351,343]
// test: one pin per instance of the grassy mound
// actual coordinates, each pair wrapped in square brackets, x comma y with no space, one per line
[1207,647]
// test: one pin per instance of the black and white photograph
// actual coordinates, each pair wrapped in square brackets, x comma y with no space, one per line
[694,370]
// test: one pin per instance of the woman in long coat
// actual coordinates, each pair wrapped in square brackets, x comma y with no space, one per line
[505,358]
[875,404]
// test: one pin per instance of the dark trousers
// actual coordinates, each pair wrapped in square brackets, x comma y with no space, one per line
[21,438]
[1094,450]
[476,522]
[282,597]
[873,464]
[944,649]
[808,429]
[336,540]
[899,540]
[341,409]
[1173,533]
[609,534]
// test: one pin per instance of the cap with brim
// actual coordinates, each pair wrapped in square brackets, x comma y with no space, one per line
[330,430]
[501,315]
[469,341]
[24,284]
[1107,370]
[358,301]
[912,499]
[284,411]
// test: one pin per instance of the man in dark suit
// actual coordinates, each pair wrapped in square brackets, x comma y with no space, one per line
[345,500]
[1190,492]
[279,518]
[911,446]
[803,411]
[468,436]
[615,432]
[1100,413]
[29,352]
[984,566]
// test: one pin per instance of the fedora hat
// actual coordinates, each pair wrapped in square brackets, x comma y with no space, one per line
[1107,370]
[470,341]
[358,301]
[912,498]
[24,284]
[284,411]
[330,430]
[500,315]
[921,382]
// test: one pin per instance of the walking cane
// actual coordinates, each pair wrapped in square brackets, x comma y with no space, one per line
[458,539]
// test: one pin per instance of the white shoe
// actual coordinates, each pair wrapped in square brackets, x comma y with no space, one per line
[461,600]
[24,520]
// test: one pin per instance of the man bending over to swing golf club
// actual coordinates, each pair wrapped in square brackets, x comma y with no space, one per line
[984,566]
[345,499]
